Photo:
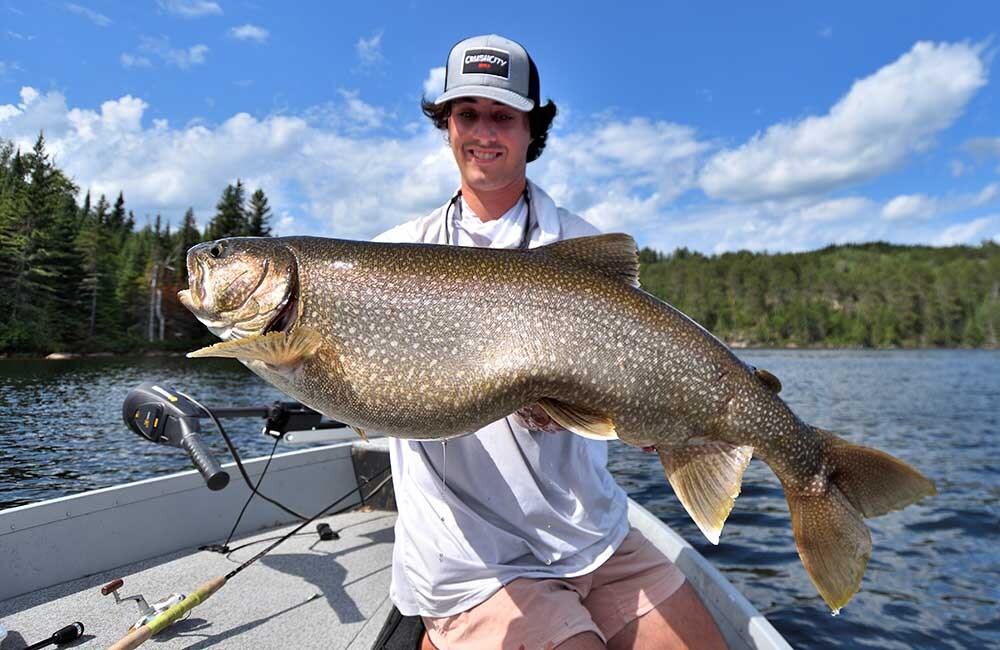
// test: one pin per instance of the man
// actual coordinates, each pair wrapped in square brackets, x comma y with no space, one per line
[517,536]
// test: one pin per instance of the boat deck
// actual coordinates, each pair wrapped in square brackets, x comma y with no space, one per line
[306,593]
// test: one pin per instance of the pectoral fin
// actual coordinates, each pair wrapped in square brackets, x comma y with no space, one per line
[579,421]
[706,479]
[277,349]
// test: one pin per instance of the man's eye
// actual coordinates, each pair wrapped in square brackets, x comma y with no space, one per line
[466,115]
[503,117]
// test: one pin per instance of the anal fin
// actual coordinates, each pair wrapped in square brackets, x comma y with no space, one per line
[276,349]
[578,420]
[706,479]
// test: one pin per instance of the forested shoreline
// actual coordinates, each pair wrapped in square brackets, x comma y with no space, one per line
[83,277]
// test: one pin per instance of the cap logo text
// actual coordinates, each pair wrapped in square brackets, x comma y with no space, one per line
[486,61]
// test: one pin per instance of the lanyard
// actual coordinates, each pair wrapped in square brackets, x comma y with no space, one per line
[456,205]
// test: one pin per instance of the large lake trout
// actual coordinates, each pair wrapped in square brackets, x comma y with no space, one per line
[429,342]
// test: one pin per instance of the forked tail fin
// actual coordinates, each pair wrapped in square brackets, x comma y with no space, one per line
[827,513]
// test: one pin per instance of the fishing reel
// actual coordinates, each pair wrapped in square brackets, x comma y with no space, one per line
[164,416]
[147,612]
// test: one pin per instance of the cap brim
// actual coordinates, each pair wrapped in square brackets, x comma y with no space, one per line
[501,95]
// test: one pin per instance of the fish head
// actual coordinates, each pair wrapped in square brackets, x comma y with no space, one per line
[243,286]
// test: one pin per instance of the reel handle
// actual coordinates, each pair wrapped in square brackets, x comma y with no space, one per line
[215,477]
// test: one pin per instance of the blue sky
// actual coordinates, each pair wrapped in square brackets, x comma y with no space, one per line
[716,126]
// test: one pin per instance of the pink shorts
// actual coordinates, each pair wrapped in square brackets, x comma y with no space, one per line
[539,614]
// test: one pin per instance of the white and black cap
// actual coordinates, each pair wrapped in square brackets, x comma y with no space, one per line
[493,67]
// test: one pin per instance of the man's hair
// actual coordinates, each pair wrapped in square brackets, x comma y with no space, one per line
[539,120]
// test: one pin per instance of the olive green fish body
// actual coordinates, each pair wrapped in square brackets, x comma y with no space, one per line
[428,342]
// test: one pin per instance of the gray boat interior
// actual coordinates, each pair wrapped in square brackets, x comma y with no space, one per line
[306,593]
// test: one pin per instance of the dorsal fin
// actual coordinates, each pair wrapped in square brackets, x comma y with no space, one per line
[614,255]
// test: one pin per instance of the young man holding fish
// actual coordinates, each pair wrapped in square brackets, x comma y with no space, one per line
[517,536]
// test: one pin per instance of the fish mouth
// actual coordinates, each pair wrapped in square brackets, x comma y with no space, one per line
[288,310]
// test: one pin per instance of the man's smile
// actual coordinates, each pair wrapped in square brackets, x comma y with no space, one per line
[484,155]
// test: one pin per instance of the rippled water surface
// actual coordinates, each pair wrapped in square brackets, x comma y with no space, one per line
[935,568]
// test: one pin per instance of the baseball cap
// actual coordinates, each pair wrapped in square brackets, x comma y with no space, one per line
[493,67]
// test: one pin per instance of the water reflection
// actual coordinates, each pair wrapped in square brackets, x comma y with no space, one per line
[933,578]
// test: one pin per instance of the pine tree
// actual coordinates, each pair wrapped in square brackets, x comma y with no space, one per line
[230,219]
[185,238]
[260,215]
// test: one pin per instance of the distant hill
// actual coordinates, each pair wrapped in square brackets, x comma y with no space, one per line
[869,295]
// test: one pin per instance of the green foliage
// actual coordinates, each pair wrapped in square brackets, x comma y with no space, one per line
[260,215]
[82,278]
[867,295]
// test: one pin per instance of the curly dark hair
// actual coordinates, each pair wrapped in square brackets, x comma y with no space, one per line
[539,120]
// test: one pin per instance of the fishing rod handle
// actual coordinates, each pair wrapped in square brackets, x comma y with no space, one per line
[137,637]
[204,460]
[133,639]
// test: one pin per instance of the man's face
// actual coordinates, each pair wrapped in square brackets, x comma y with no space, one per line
[490,142]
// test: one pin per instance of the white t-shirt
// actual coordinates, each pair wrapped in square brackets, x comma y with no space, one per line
[476,512]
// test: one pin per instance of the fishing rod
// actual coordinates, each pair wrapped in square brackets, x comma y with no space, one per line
[140,635]
[166,416]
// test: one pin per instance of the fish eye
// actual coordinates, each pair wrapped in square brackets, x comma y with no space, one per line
[216,250]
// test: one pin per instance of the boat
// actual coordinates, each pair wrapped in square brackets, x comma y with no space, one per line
[86,557]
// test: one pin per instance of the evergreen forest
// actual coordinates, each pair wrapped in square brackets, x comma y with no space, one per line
[83,277]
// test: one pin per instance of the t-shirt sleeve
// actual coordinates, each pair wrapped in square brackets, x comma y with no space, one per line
[574,226]
[404,233]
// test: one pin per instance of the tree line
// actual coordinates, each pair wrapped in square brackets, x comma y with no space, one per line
[858,295]
[85,278]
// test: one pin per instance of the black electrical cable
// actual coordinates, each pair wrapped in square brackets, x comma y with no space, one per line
[296,530]
[260,479]
[230,551]
[239,462]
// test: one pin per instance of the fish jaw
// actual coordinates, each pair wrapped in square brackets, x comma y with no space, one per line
[242,287]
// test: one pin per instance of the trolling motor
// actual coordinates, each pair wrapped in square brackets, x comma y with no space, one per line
[166,417]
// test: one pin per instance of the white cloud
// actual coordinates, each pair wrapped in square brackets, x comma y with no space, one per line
[349,169]
[134,61]
[434,83]
[162,49]
[20,37]
[351,115]
[194,55]
[835,210]
[98,19]
[957,167]
[988,194]
[638,162]
[983,147]
[921,206]
[826,32]
[250,33]
[971,233]
[369,50]
[910,206]
[323,179]
[8,111]
[882,120]
[191,8]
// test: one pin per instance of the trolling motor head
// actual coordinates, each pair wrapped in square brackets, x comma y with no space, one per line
[164,416]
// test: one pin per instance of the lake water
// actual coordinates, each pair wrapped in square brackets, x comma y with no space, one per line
[934,577]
